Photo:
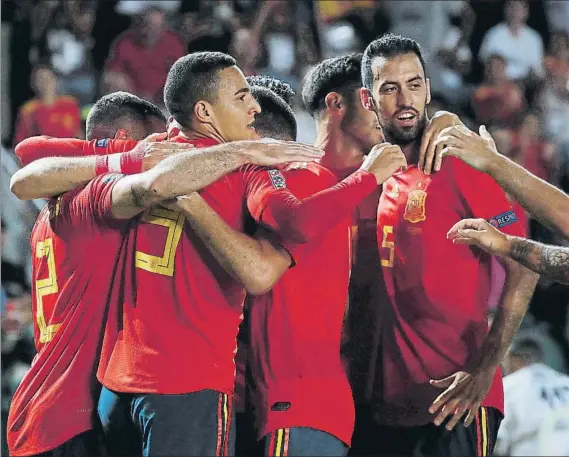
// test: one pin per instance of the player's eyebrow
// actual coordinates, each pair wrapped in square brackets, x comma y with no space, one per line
[243,90]
[415,78]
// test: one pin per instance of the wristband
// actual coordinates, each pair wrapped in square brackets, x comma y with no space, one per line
[131,161]
[102,165]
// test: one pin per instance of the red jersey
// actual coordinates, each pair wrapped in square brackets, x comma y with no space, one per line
[37,147]
[296,328]
[201,305]
[60,119]
[75,258]
[435,321]
[147,67]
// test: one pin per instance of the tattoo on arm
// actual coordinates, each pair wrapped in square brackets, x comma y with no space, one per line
[550,261]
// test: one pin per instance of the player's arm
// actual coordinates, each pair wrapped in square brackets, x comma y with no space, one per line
[465,390]
[50,176]
[257,263]
[190,171]
[550,261]
[273,205]
[547,203]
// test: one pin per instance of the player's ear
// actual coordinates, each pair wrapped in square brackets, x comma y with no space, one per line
[203,112]
[122,134]
[428,87]
[334,102]
[367,99]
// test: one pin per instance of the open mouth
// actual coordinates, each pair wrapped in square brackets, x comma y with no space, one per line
[406,118]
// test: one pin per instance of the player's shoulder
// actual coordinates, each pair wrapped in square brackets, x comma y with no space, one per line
[29,107]
[309,169]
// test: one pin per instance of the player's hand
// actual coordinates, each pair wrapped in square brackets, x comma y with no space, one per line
[478,232]
[267,152]
[430,158]
[463,392]
[478,151]
[153,137]
[383,160]
[155,152]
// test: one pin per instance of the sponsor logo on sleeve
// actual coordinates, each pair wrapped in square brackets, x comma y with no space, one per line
[277,179]
[108,178]
[280,406]
[102,143]
[504,219]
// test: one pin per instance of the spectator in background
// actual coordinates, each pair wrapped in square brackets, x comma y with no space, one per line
[531,150]
[48,113]
[141,57]
[519,45]
[498,100]
[454,57]
[70,45]
[554,97]
[14,280]
[532,392]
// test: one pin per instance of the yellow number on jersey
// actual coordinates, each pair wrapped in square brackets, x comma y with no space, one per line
[45,287]
[174,222]
[388,230]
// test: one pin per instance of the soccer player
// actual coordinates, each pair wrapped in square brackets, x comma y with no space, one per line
[27,422]
[75,259]
[438,361]
[546,202]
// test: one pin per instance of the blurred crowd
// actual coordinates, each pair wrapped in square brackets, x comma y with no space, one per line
[501,64]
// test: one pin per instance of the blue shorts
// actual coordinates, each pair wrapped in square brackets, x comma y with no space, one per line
[303,441]
[198,423]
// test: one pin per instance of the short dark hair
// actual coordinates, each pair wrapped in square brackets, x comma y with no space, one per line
[388,45]
[193,78]
[337,74]
[281,88]
[120,105]
[276,119]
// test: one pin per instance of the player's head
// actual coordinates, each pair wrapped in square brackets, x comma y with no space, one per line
[207,92]
[43,79]
[124,115]
[522,353]
[276,120]
[395,87]
[281,88]
[331,94]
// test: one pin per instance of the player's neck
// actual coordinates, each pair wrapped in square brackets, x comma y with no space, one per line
[198,133]
[340,151]
[411,152]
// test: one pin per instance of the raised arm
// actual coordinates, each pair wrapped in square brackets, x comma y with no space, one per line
[273,205]
[550,261]
[547,203]
[187,172]
[51,176]
[257,263]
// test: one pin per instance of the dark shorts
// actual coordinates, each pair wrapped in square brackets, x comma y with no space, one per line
[427,440]
[303,441]
[246,442]
[86,444]
[199,423]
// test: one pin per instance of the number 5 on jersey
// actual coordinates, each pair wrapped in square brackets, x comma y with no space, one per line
[388,244]
[174,223]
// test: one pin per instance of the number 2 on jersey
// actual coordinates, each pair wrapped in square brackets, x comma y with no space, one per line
[45,287]
[174,223]
[388,244]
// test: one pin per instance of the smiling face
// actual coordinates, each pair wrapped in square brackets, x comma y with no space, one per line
[399,97]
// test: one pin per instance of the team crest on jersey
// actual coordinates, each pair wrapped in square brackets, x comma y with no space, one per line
[277,179]
[415,208]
